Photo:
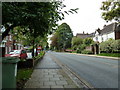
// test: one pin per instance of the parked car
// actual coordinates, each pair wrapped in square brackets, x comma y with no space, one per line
[29,54]
[17,53]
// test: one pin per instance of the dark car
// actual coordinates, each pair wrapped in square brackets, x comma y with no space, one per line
[17,53]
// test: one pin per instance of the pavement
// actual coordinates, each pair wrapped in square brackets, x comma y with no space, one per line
[107,57]
[48,74]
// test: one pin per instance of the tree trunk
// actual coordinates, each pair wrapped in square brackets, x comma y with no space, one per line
[36,51]
[4,34]
[33,49]
[13,44]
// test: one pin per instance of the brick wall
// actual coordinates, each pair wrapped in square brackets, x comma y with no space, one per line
[117,35]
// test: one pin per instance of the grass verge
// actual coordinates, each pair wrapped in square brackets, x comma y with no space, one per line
[22,76]
[110,54]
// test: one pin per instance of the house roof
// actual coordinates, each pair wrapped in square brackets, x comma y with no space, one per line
[82,35]
[99,31]
[108,29]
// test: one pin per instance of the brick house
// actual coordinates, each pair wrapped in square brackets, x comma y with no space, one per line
[11,44]
[8,43]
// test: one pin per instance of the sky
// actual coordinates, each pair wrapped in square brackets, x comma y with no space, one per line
[88,18]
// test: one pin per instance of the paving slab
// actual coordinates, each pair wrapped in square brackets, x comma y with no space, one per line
[48,74]
[56,86]
[47,63]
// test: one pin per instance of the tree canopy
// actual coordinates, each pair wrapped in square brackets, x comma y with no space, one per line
[88,41]
[111,10]
[54,40]
[39,17]
[77,41]
[63,36]
[80,44]
[32,20]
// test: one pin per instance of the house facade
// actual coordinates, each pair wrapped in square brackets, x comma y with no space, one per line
[109,31]
[9,44]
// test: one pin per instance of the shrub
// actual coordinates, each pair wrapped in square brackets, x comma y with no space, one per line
[74,51]
[78,51]
[57,50]
[88,41]
[86,52]
[40,55]
[77,41]
[116,45]
[80,48]
[107,46]
[110,54]
[74,47]
[110,46]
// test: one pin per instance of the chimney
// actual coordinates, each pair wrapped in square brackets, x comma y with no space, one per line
[104,26]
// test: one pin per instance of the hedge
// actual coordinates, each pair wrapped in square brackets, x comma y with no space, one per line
[86,52]
[110,46]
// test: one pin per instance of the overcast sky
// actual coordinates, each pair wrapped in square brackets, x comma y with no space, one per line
[88,18]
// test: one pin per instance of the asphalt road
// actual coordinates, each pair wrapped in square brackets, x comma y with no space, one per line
[98,72]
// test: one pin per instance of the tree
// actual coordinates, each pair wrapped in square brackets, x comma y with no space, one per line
[41,41]
[54,40]
[79,44]
[36,16]
[27,39]
[39,17]
[111,10]
[88,41]
[61,39]
[77,41]
[64,36]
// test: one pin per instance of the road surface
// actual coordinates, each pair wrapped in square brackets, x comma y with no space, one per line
[98,72]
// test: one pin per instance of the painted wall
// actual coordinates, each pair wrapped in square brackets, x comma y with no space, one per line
[108,36]
[104,37]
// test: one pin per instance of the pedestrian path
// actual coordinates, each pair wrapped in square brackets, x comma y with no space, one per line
[48,74]
[47,63]
[106,57]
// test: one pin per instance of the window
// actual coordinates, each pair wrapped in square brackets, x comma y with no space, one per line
[10,49]
[10,38]
[6,37]
[102,39]
[96,38]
